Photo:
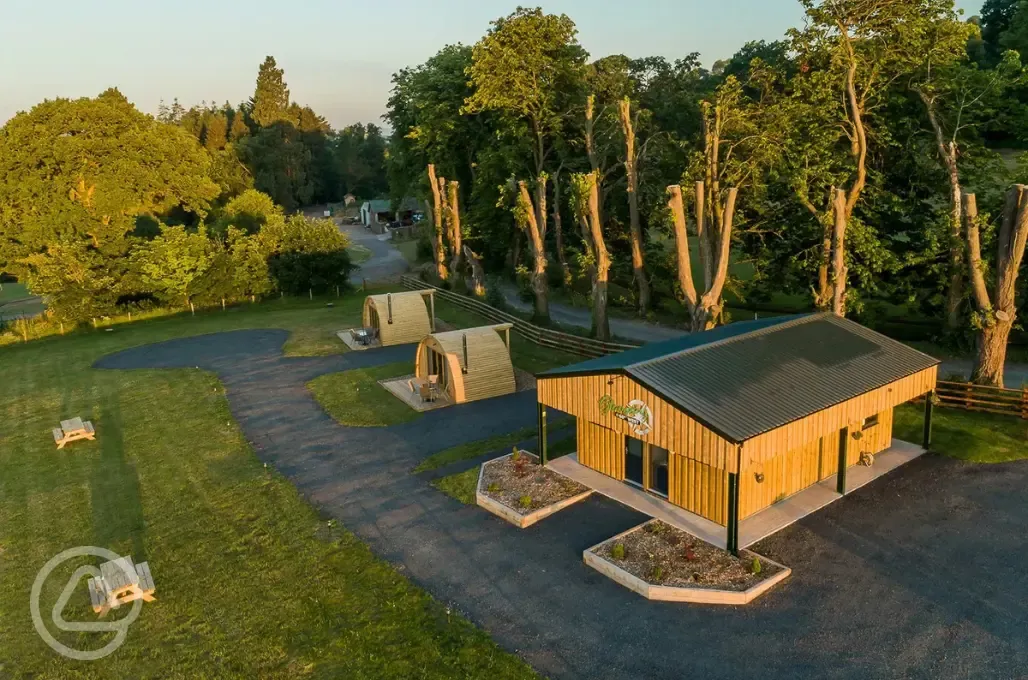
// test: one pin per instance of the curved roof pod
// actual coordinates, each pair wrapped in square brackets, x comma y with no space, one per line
[472,364]
[401,318]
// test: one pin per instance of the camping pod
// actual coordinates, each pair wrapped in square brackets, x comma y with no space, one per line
[470,364]
[400,318]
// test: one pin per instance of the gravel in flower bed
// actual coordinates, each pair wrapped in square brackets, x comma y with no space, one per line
[524,486]
[663,555]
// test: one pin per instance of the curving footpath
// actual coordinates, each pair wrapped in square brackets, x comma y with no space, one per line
[918,575]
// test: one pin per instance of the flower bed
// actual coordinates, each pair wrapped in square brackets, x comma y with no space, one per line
[516,488]
[663,562]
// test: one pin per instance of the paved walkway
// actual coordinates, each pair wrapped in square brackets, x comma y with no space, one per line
[918,575]
[386,262]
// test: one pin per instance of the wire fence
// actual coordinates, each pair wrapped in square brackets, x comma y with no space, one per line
[545,337]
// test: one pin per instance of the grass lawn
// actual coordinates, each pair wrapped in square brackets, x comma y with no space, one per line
[355,398]
[474,449]
[524,354]
[359,254]
[409,249]
[463,486]
[12,292]
[251,582]
[970,436]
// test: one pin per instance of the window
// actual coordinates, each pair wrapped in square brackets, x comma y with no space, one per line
[869,422]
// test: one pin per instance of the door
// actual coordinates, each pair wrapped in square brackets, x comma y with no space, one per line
[634,460]
[658,482]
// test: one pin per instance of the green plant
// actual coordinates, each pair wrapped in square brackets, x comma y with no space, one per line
[656,528]
[525,501]
[755,567]
[656,573]
[515,455]
[494,294]
[493,487]
[618,551]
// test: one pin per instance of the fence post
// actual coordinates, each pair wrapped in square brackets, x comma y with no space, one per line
[1024,403]
[223,304]
[62,328]
[967,397]
[192,309]
[310,292]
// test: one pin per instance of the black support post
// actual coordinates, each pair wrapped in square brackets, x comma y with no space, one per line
[733,513]
[543,443]
[929,404]
[844,450]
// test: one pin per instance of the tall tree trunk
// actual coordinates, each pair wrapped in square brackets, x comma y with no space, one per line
[948,156]
[703,236]
[839,255]
[438,243]
[996,321]
[824,284]
[456,237]
[601,324]
[705,308]
[477,271]
[638,265]
[558,229]
[536,238]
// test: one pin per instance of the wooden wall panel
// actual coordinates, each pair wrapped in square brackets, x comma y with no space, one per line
[698,488]
[671,429]
[849,413]
[601,449]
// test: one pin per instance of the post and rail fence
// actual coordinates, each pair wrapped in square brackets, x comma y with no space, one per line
[983,398]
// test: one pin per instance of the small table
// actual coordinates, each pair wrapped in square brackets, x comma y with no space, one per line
[72,430]
[120,582]
[361,335]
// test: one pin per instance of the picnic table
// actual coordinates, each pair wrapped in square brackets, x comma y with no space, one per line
[428,389]
[120,582]
[72,430]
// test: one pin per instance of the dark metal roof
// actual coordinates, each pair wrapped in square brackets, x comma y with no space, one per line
[757,378]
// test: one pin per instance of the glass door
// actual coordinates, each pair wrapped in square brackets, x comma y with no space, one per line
[634,465]
[658,482]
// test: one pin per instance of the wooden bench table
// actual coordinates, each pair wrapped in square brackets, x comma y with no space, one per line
[73,430]
[120,582]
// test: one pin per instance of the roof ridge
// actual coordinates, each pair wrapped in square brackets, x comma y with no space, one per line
[795,321]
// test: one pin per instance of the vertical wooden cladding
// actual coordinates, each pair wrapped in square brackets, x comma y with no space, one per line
[698,488]
[670,429]
[601,449]
[832,419]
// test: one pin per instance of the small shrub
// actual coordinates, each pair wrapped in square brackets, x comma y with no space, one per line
[656,573]
[525,501]
[690,554]
[515,455]
[618,551]
[656,528]
[493,487]
[755,568]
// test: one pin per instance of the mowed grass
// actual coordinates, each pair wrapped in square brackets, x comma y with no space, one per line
[355,398]
[967,435]
[251,582]
[463,486]
[359,254]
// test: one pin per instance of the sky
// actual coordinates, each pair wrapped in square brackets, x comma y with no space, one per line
[338,55]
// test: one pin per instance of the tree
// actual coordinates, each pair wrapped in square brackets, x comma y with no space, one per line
[996,312]
[586,205]
[216,132]
[75,279]
[239,127]
[85,170]
[526,216]
[529,67]
[280,164]
[453,219]
[438,187]
[248,212]
[307,255]
[631,171]
[715,249]
[270,100]
[170,264]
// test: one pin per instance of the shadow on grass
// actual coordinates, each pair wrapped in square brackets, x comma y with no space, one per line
[116,501]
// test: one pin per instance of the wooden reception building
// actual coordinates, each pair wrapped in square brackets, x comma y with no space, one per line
[727,422]
[400,318]
[469,364]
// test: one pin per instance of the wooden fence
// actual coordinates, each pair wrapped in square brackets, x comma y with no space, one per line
[544,337]
[981,398]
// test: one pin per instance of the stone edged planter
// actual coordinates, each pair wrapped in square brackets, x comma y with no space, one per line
[681,593]
[510,514]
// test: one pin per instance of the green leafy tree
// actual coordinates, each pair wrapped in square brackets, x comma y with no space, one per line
[270,102]
[307,255]
[280,164]
[75,279]
[216,132]
[239,128]
[173,262]
[249,212]
[85,170]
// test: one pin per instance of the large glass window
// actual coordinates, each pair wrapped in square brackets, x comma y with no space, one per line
[658,470]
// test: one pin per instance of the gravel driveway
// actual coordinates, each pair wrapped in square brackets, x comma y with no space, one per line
[919,575]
